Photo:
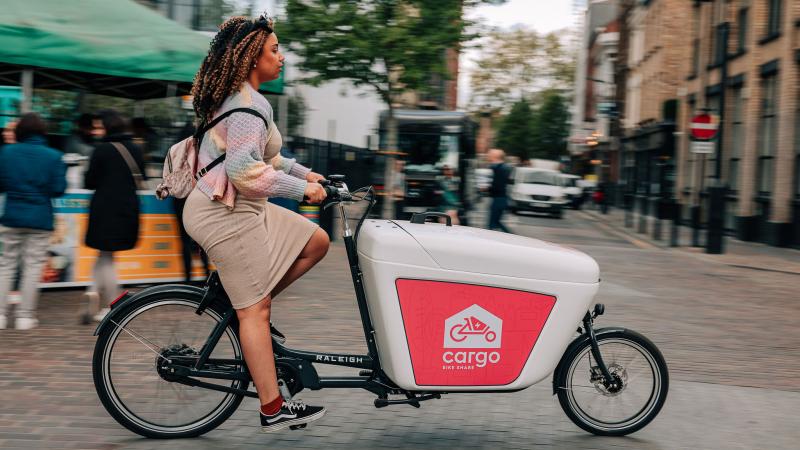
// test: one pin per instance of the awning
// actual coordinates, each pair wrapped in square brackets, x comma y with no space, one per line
[111,47]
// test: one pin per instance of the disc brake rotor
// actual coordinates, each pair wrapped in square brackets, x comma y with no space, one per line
[618,373]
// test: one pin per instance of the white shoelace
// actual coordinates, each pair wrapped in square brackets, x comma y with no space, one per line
[294,405]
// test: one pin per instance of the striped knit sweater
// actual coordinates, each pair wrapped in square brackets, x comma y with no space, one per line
[251,167]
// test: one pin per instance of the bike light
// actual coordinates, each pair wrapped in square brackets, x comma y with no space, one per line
[124,293]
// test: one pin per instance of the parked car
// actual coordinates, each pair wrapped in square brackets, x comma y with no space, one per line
[537,190]
[572,191]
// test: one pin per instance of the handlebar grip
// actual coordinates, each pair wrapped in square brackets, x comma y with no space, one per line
[330,192]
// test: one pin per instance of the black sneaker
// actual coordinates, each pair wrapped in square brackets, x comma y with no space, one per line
[292,413]
[277,335]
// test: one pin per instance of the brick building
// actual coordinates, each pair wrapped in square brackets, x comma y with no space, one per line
[654,58]
[760,163]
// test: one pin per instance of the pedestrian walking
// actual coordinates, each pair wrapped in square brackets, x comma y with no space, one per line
[450,202]
[88,128]
[115,173]
[497,190]
[14,296]
[259,248]
[31,175]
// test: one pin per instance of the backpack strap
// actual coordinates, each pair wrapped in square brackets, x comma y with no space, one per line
[203,130]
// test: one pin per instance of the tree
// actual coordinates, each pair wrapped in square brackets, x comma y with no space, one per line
[392,46]
[515,134]
[296,114]
[550,126]
[517,63]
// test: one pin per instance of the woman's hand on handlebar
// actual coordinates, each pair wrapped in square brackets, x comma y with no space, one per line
[314,177]
[315,192]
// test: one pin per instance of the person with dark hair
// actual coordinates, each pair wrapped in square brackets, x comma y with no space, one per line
[116,169]
[31,175]
[259,248]
[88,128]
[497,190]
[450,200]
[145,136]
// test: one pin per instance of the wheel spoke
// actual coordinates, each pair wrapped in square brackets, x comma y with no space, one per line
[612,410]
[139,392]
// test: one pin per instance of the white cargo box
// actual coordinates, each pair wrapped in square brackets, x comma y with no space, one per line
[460,308]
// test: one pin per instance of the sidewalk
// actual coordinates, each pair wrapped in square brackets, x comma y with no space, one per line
[737,253]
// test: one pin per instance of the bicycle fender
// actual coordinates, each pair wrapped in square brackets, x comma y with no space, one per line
[579,341]
[121,305]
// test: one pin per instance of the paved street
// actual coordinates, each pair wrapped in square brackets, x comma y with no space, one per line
[727,332]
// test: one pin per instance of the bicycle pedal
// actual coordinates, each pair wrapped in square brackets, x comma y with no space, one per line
[298,427]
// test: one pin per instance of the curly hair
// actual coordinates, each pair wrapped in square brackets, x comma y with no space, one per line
[230,56]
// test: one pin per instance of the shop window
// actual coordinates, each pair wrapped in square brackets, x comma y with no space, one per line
[768,139]
[773,18]
[737,137]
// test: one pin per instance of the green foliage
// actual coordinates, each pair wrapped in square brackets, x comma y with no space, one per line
[550,126]
[393,46]
[296,114]
[515,134]
[538,132]
[517,63]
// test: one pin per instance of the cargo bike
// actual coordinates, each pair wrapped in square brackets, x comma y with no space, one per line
[445,309]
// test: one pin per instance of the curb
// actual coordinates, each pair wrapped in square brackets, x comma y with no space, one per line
[645,242]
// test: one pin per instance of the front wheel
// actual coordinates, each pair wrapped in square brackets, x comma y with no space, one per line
[128,366]
[641,377]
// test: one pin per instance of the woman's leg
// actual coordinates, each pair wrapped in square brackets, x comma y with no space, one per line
[312,253]
[257,348]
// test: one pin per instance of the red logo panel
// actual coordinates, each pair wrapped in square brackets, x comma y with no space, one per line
[469,335]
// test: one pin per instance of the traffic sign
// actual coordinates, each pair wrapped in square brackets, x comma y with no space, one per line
[704,127]
[702,147]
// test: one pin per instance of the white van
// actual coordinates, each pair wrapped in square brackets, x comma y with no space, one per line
[537,190]
[572,190]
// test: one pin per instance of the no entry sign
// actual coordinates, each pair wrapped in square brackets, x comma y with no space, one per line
[704,127]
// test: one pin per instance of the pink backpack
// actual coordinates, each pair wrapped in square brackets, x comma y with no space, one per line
[180,166]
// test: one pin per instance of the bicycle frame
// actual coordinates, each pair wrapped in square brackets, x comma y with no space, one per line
[371,378]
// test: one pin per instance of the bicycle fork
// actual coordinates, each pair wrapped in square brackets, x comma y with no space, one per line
[588,321]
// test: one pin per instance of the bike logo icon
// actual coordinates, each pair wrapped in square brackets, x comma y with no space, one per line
[473,327]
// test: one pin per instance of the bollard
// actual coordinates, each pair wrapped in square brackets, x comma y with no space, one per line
[695,211]
[676,218]
[643,215]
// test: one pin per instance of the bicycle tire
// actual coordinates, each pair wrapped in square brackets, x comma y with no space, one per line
[112,403]
[651,409]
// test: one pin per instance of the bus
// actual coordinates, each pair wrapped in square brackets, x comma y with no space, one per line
[429,141]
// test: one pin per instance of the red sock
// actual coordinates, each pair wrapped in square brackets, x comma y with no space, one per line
[272,408]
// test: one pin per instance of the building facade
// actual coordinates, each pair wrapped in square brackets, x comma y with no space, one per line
[594,105]
[654,61]
[759,158]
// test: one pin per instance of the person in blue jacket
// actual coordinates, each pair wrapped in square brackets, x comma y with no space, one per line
[31,175]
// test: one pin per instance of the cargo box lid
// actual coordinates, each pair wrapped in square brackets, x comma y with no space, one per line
[477,250]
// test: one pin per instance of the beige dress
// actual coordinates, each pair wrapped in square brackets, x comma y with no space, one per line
[252,245]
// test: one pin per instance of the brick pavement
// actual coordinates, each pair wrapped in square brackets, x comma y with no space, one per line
[727,334]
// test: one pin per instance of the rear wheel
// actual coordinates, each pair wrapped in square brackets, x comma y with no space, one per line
[635,399]
[134,387]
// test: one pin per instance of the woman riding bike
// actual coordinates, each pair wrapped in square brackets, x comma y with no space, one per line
[258,248]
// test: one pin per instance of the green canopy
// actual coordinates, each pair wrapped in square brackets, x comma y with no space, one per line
[112,47]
